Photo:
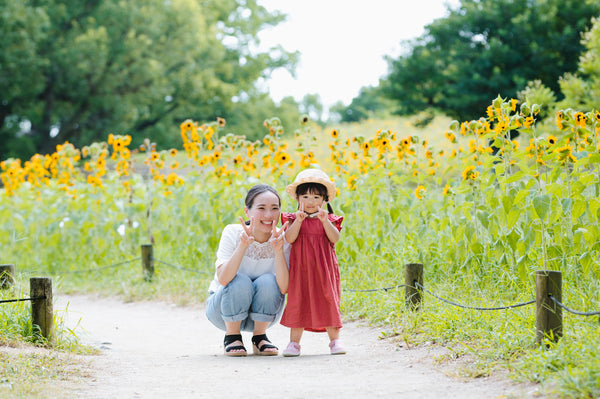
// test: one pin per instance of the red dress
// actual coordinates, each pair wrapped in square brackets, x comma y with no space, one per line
[314,291]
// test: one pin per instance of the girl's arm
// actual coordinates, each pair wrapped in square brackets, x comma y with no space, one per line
[333,234]
[291,234]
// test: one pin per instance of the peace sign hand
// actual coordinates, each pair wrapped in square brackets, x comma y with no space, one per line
[300,214]
[322,214]
[246,237]
[277,236]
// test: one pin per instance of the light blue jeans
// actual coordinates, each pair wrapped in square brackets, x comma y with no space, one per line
[246,300]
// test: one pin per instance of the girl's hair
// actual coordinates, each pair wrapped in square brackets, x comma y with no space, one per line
[257,190]
[314,188]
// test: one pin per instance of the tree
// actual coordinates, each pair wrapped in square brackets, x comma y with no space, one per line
[247,117]
[312,106]
[582,89]
[485,48]
[369,103]
[78,70]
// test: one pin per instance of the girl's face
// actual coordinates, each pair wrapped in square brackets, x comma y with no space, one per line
[265,210]
[310,202]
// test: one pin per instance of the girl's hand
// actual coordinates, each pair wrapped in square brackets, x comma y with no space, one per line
[322,215]
[300,214]
[277,235]
[246,237]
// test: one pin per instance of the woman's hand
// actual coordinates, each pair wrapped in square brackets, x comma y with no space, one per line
[277,235]
[246,237]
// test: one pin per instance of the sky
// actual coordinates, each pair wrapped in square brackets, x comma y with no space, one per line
[342,43]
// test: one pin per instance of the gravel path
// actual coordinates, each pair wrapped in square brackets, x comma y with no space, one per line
[156,350]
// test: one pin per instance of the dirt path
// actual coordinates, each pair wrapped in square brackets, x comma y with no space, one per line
[155,350]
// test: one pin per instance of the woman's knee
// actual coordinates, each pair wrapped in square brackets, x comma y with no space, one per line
[241,286]
[267,296]
[266,285]
[236,297]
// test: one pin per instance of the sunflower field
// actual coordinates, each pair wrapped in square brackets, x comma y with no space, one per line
[481,207]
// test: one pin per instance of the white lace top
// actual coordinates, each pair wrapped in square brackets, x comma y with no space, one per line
[258,259]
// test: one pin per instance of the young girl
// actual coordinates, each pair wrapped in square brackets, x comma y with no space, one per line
[313,302]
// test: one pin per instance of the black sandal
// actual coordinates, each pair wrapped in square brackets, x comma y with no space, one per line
[229,339]
[261,350]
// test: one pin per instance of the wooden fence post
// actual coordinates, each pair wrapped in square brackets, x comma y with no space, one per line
[548,313]
[42,311]
[7,276]
[412,295]
[147,262]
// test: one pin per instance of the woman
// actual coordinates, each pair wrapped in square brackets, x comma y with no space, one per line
[252,275]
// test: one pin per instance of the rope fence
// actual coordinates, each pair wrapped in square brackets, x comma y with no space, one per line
[548,299]
[374,289]
[577,312]
[473,307]
[180,268]
[40,296]
[22,299]
[101,267]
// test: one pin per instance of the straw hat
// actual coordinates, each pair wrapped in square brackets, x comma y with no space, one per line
[312,176]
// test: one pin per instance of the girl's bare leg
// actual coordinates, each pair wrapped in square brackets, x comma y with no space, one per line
[333,332]
[296,334]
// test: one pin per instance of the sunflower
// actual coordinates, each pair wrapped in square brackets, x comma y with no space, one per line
[470,173]
[564,154]
[580,119]
[352,182]
[420,192]
[334,133]
[559,120]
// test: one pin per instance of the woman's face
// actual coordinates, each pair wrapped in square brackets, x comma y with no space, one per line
[265,210]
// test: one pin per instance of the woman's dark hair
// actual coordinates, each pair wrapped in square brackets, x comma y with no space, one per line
[314,188]
[257,190]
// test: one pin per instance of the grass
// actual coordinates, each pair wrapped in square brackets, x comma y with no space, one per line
[30,366]
[27,372]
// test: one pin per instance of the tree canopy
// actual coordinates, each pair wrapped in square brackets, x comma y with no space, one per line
[486,48]
[79,70]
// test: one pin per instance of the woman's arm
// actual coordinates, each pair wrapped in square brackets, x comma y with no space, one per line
[228,270]
[282,273]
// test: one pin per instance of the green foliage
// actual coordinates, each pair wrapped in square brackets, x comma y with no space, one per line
[485,48]
[537,93]
[481,223]
[73,71]
[582,89]
[370,103]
